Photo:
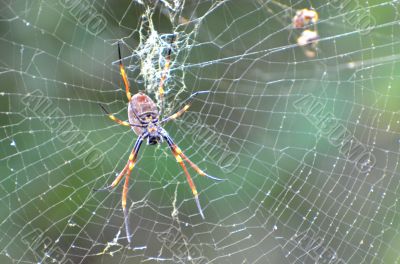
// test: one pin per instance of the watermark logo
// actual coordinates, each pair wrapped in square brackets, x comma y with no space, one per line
[338,135]
[354,14]
[68,133]
[86,15]
[307,247]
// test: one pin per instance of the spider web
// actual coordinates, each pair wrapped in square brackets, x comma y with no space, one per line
[309,146]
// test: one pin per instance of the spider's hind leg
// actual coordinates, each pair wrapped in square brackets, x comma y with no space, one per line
[115,182]
[178,154]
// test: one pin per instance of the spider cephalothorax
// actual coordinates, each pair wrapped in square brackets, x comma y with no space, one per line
[144,119]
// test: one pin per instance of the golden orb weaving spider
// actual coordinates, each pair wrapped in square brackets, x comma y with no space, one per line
[143,116]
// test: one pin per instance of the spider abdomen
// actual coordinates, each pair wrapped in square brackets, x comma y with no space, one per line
[141,107]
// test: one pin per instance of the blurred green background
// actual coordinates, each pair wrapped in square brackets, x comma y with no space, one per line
[290,196]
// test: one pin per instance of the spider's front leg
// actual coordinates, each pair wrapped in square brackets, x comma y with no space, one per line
[184,109]
[117,120]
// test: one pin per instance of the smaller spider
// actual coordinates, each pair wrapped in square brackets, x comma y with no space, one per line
[309,41]
[144,120]
[308,37]
[305,17]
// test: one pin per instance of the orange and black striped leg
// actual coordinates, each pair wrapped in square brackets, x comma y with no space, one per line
[124,195]
[126,171]
[113,118]
[196,168]
[132,156]
[116,181]
[190,181]
[177,154]
[123,74]
[177,150]
[118,121]
[185,108]
[131,164]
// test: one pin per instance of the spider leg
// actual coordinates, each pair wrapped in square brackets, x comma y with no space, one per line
[177,154]
[196,168]
[123,74]
[133,155]
[124,194]
[190,181]
[113,118]
[131,164]
[126,171]
[115,182]
[185,108]
[118,121]
[178,151]
[191,184]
